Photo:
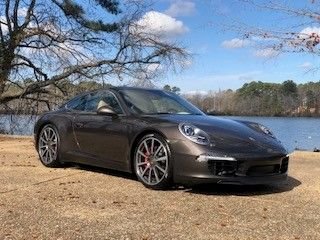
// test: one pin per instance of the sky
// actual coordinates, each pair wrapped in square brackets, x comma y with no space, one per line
[220,58]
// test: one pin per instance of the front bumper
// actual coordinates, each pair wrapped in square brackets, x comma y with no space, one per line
[237,180]
[194,167]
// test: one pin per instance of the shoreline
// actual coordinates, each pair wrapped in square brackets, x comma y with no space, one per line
[15,136]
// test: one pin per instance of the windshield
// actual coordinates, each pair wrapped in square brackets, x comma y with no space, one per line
[146,101]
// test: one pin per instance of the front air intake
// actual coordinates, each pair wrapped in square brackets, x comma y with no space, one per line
[222,168]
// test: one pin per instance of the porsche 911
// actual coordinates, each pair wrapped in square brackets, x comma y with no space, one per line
[161,138]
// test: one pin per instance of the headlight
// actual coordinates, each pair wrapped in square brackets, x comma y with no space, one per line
[194,134]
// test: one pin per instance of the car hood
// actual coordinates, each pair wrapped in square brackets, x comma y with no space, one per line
[229,135]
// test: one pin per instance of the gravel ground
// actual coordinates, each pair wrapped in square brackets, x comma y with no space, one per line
[90,203]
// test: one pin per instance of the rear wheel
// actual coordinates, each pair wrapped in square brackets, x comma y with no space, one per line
[152,163]
[48,146]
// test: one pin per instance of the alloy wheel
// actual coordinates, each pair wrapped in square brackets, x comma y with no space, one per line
[151,161]
[48,145]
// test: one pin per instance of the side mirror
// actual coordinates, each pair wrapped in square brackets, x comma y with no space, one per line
[106,110]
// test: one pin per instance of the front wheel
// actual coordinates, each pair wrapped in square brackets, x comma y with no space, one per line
[48,146]
[152,162]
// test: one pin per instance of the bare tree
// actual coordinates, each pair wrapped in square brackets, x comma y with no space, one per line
[43,42]
[295,27]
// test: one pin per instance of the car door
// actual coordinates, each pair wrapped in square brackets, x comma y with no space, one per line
[69,145]
[102,138]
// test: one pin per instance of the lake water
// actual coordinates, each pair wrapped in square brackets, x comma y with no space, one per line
[294,133]
[17,124]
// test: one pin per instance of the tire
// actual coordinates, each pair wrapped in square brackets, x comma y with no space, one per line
[48,146]
[152,162]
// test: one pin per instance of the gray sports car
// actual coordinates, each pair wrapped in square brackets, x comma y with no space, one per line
[161,138]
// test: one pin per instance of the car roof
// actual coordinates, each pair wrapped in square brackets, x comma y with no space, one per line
[133,88]
[118,89]
[115,89]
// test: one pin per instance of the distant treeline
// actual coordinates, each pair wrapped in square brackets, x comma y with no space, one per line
[262,99]
[252,99]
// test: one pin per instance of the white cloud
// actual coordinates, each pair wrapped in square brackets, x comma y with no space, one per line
[3,23]
[235,43]
[306,65]
[154,67]
[181,8]
[310,37]
[310,30]
[160,24]
[22,11]
[266,53]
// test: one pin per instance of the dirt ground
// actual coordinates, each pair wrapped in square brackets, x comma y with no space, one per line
[90,203]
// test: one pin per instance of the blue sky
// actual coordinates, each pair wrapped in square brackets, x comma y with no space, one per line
[221,60]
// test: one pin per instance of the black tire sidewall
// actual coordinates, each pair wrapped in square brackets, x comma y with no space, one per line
[166,182]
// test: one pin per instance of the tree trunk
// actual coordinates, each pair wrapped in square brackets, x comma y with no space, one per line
[4,76]
[5,65]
